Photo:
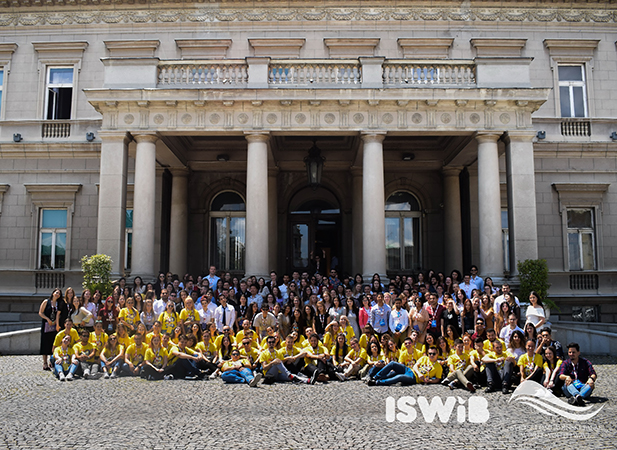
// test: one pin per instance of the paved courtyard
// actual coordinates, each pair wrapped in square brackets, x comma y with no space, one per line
[40,412]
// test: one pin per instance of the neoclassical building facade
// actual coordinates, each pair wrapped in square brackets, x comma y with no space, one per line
[173,136]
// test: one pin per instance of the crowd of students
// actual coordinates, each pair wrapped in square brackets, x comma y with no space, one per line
[459,331]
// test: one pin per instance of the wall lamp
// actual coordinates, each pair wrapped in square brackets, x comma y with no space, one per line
[541,135]
[90,136]
[17,137]
[614,135]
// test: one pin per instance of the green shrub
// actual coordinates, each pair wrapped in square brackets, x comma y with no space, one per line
[97,273]
[533,274]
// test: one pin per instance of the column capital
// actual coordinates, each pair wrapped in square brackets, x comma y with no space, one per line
[488,136]
[355,171]
[273,171]
[519,136]
[257,136]
[179,171]
[369,137]
[145,137]
[114,136]
[451,171]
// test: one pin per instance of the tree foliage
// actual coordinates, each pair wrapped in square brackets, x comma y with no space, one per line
[97,273]
[533,274]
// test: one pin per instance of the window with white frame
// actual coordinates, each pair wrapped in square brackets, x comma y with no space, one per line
[1,87]
[581,238]
[128,238]
[228,231]
[572,90]
[59,93]
[505,239]
[52,238]
[402,232]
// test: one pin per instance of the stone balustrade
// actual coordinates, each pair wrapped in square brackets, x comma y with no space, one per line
[402,73]
[232,73]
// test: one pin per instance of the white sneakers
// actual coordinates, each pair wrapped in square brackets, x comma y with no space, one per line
[255,380]
[61,377]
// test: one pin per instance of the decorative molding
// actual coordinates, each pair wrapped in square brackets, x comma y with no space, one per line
[498,46]
[351,47]
[69,49]
[203,48]
[597,188]
[3,189]
[553,14]
[571,47]
[426,48]
[277,47]
[132,48]
[6,54]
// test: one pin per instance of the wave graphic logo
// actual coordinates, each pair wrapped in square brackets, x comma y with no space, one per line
[542,399]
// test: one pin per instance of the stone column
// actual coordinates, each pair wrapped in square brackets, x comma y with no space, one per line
[112,198]
[257,242]
[489,206]
[522,217]
[179,219]
[373,207]
[272,219]
[144,206]
[453,234]
[356,217]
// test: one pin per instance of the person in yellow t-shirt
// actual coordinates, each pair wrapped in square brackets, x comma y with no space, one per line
[332,330]
[460,369]
[346,328]
[475,360]
[426,370]
[169,318]
[248,352]
[273,368]
[551,369]
[415,338]
[68,331]
[156,331]
[185,361]
[64,368]
[189,314]
[123,336]
[356,359]
[209,353]
[246,331]
[499,367]
[134,357]
[339,351]
[98,337]
[319,363]
[237,370]
[155,360]
[491,338]
[85,356]
[531,363]
[129,316]
[292,355]
[227,331]
[112,357]
[409,355]
[391,352]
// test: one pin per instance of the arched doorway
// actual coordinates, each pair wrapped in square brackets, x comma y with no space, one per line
[315,227]
[403,246]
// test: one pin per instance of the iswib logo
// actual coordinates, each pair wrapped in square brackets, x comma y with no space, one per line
[538,397]
[475,412]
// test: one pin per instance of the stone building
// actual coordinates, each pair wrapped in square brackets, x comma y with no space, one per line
[175,135]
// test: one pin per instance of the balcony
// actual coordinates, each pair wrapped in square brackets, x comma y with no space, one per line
[51,132]
[56,129]
[227,73]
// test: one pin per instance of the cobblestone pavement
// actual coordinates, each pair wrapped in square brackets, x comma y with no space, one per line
[40,412]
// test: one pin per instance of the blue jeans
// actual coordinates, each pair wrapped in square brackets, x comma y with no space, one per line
[279,372]
[115,366]
[394,373]
[243,375]
[58,369]
[570,391]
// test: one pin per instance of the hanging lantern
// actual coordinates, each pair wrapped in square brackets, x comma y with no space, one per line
[314,166]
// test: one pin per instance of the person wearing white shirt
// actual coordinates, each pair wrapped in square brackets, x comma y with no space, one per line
[506,332]
[467,286]
[284,288]
[212,278]
[224,315]
[159,305]
[207,308]
[505,288]
[255,297]
[399,321]
[262,321]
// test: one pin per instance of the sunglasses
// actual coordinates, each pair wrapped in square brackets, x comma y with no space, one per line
[432,354]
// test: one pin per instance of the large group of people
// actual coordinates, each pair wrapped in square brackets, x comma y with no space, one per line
[461,331]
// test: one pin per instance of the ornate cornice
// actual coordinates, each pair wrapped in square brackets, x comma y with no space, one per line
[18,17]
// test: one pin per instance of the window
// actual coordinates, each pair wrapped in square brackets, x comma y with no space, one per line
[128,238]
[581,239]
[505,239]
[227,231]
[572,91]
[1,87]
[52,238]
[402,232]
[59,93]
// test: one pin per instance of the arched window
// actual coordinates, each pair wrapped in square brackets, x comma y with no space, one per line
[403,232]
[227,231]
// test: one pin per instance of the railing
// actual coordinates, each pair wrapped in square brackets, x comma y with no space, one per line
[189,73]
[49,280]
[55,130]
[584,281]
[575,127]
[316,72]
[401,73]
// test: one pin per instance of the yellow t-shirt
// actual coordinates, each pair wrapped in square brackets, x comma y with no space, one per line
[328,340]
[80,349]
[252,355]
[171,358]
[477,358]
[363,341]
[130,316]
[353,355]
[409,360]
[528,365]
[349,333]
[459,361]
[149,338]
[111,354]
[319,350]
[219,339]
[125,341]
[191,316]
[136,355]
[230,364]
[506,354]
[74,337]
[252,336]
[169,322]
[264,344]
[63,357]
[208,350]
[424,367]
[156,358]
[98,341]
[488,347]
[374,359]
[392,355]
[337,358]
[420,347]
[267,357]
[557,365]
[285,353]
